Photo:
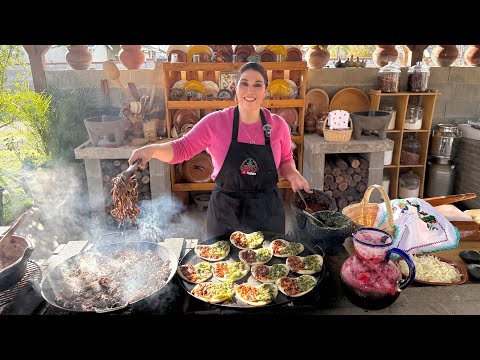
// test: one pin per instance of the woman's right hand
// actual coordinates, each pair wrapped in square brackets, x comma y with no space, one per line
[145,153]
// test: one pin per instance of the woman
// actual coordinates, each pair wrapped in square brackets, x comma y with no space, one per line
[250,148]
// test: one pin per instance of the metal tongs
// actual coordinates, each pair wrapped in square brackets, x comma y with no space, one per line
[307,210]
[131,169]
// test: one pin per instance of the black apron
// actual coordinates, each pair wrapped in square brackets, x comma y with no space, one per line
[246,196]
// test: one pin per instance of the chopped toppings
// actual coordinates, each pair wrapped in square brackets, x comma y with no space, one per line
[255,257]
[214,292]
[283,248]
[296,286]
[264,293]
[216,251]
[266,273]
[244,241]
[196,273]
[230,271]
[305,265]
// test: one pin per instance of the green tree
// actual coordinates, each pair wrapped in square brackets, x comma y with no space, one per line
[25,123]
[344,51]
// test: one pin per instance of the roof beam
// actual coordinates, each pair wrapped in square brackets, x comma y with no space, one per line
[417,53]
[36,54]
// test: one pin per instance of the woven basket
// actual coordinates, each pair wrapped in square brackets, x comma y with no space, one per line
[364,213]
[338,135]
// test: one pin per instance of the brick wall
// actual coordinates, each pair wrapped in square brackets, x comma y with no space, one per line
[467,179]
[459,87]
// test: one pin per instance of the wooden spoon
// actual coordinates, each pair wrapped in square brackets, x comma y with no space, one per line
[112,73]
[14,227]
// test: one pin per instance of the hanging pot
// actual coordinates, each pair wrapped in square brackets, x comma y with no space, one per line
[78,57]
[317,57]
[445,55]
[472,55]
[131,56]
[383,54]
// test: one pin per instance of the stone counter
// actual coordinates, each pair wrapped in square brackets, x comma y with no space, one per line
[370,147]
[159,173]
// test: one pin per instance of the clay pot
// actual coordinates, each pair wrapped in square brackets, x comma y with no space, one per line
[383,54]
[316,57]
[78,57]
[445,55]
[472,55]
[131,56]
[198,169]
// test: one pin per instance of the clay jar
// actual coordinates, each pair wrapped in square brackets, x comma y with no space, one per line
[78,57]
[472,55]
[316,57]
[445,55]
[383,54]
[131,56]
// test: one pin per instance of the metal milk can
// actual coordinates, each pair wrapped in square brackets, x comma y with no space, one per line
[444,139]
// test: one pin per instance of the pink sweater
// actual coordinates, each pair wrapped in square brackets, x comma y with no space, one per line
[214,133]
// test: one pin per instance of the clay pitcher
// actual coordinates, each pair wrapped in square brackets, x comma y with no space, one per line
[78,57]
[317,57]
[383,54]
[131,56]
[445,55]
[472,55]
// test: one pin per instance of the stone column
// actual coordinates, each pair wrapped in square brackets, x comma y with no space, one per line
[95,191]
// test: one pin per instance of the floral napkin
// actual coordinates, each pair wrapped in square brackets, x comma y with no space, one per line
[420,228]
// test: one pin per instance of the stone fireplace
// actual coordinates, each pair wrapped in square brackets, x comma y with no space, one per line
[94,157]
[370,148]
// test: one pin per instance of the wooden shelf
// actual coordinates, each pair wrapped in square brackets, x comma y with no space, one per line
[428,100]
[293,70]
[227,103]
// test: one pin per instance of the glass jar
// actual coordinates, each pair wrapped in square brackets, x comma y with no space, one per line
[408,185]
[410,154]
[413,118]
[418,77]
[386,182]
[393,112]
[388,78]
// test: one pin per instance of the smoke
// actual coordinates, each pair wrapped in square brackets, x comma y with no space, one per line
[61,206]
[166,217]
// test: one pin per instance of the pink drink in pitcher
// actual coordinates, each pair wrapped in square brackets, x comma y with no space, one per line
[369,278]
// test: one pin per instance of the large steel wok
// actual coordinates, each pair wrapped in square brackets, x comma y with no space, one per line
[109,277]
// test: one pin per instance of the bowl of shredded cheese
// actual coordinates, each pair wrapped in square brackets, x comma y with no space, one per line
[435,270]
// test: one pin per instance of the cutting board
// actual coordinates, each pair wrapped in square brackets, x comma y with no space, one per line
[468,229]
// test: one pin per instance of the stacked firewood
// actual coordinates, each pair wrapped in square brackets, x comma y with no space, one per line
[110,169]
[345,178]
